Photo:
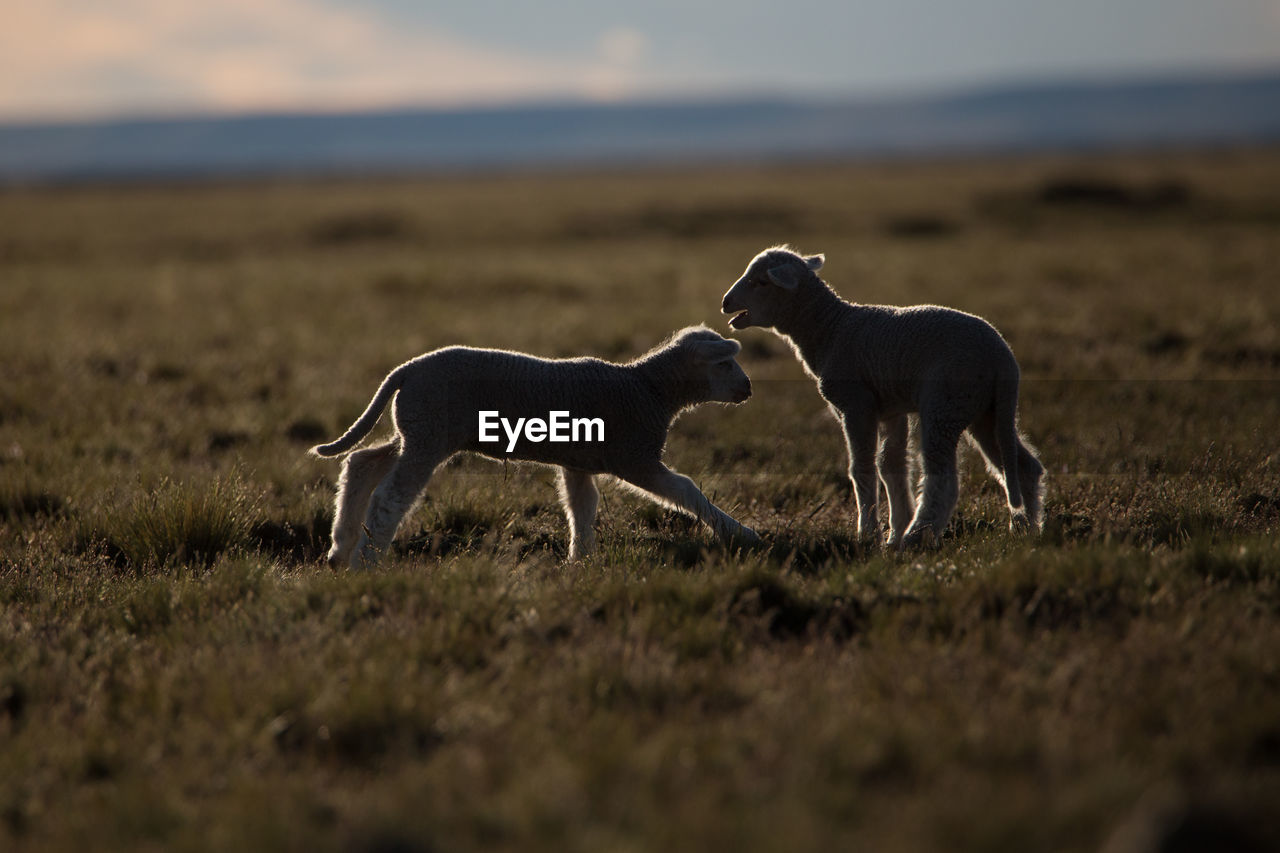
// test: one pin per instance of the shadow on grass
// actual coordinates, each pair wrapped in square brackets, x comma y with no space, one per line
[1054,608]
[359,227]
[357,736]
[768,601]
[460,528]
[293,542]
[28,503]
[808,552]
[1094,195]
[454,529]
[688,222]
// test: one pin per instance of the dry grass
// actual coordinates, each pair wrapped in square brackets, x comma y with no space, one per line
[178,672]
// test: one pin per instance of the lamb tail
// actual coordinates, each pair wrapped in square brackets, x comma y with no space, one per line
[366,422]
[1006,413]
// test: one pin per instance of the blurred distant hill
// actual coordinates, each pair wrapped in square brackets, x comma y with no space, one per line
[1183,111]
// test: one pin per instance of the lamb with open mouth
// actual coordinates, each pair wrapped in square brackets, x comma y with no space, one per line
[876,365]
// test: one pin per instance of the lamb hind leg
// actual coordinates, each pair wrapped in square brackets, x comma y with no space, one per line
[681,492]
[361,473]
[938,441]
[982,435]
[1027,512]
[392,499]
[1031,473]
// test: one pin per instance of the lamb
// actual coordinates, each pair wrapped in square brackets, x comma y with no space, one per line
[454,399]
[875,365]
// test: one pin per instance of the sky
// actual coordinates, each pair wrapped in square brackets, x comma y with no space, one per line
[76,59]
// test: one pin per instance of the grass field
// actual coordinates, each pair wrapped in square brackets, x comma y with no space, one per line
[179,671]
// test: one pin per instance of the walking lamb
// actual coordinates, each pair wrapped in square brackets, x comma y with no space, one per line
[583,415]
[875,364]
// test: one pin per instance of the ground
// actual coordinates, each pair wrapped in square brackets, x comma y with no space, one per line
[178,670]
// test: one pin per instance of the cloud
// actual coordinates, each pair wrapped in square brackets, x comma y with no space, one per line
[76,57]
[623,45]
[620,52]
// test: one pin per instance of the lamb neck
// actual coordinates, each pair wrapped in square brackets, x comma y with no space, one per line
[812,325]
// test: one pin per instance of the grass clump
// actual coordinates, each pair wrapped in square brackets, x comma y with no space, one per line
[176,524]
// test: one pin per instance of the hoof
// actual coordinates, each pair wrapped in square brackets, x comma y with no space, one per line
[578,555]
[869,540]
[921,538]
[1020,523]
[745,537]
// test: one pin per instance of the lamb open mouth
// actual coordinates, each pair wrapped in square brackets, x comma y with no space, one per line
[739,320]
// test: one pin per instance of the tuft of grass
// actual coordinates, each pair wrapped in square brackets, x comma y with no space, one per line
[1239,563]
[177,524]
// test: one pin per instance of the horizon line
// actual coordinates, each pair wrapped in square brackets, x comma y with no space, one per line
[985,85]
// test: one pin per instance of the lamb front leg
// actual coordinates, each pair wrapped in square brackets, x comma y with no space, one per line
[860,438]
[681,492]
[580,498]
[891,462]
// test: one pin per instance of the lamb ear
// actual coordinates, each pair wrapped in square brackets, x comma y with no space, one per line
[706,352]
[814,262]
[785,277]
